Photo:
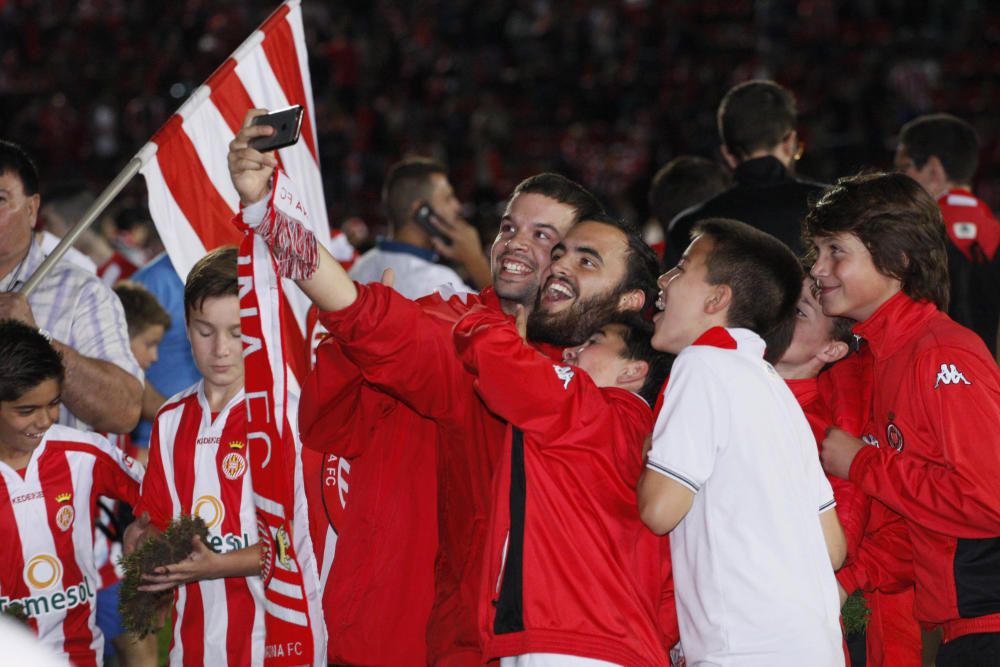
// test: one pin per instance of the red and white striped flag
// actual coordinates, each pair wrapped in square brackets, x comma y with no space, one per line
[193,202]
[191,197]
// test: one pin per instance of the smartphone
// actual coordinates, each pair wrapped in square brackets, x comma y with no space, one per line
[423,218]
[287,124]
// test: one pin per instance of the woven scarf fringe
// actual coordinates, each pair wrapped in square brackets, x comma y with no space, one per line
[292,245]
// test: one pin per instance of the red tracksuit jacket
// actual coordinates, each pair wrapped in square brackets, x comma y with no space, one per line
[882,564]
[852,504]
[934,415]
[570,568]
[404,349]
[379,492]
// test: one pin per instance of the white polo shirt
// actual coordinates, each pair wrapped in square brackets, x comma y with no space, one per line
[754,585]
[417,272]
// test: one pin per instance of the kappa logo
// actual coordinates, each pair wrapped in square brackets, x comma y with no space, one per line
[949,374]
[564,373]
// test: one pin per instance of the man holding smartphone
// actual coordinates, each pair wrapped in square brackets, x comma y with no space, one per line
[425,225]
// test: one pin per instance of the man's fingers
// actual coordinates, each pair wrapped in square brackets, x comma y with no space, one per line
[521,319]
[388,277]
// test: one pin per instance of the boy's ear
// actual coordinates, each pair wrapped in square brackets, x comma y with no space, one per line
[718,299]
[729,157]
[633,300]
[833,351]
[936,173]
[634,373]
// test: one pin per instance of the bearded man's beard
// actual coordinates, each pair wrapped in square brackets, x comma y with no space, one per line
[572,326]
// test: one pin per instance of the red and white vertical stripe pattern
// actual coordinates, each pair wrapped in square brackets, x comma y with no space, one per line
[198,466]
[272,439]
[191,197]
[46,557]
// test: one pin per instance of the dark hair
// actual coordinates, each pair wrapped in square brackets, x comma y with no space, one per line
[950,139]
[637,336]
[563,190]
[683,182]
[899,224]
[14,160]
[214,275]
[142,310]
[642,266]
[755,115]
[764,275]
[27,359]
[408,181]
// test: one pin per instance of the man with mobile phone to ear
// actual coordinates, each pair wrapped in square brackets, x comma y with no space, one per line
[425,225]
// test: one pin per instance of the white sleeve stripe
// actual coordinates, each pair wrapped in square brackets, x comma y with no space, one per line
[663,470]
[827,505]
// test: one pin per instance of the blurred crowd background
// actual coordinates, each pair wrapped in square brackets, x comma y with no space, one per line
[605,92]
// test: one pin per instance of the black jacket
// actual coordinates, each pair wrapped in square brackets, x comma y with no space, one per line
[766,196]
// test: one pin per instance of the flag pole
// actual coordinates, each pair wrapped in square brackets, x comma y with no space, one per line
[101,203]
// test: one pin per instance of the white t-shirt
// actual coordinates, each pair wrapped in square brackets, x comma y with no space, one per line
[754,585]
[416,274]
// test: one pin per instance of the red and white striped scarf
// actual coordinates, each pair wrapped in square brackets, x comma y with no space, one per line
[270,436]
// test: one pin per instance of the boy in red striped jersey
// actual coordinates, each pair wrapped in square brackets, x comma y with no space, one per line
[50,477]
[198,465]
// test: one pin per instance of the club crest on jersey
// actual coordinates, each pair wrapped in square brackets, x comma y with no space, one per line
[894,435]
[949,374]
[43,571]
[64,517]
[234,464]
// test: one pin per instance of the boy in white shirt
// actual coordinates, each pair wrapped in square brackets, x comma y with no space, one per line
[733,473]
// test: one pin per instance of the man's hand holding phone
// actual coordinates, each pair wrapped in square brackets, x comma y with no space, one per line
[249,168]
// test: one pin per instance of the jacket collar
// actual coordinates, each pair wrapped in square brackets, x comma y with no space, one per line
[762,171]
[896,322]
[805,390]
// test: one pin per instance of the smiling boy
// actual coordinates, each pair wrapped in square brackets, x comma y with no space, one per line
[881,260]
[50,478]
[733,473]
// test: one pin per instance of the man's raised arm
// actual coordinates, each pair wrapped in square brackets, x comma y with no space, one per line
[328,287]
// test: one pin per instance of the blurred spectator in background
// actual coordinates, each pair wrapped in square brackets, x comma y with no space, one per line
[683,182]
[62,210]
[83,318]
[174,368]
[424,222]
[941,152]
[603,92]
[756,123]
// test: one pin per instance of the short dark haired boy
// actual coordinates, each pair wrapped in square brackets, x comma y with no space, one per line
[733,471]
[50,478]
[571,570]
[940,152]
[880,259]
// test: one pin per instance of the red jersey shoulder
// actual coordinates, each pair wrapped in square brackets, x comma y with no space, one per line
[949,355]
[450,305]
[969,220]
[65,439]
